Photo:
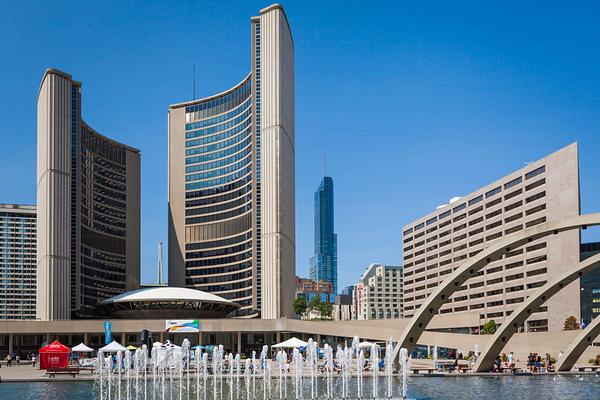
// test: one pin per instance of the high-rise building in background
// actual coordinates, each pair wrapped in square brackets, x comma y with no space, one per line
[88,203]
[17,261]
[590,285]
[544,191]
[378,293]
[231,181]
[310,289]
[323,264]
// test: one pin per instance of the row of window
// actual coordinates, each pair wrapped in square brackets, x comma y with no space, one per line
[219,154]
[220,118]
[219,181]
[218,163]
[223,135]
[218,146]
[477,199]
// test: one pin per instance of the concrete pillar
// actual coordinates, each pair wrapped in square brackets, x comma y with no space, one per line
[239,342]
[319,339]
[86,339]
[48,338]
[10,343]
[199,338]
[278,337]
[162,337]
[70,340]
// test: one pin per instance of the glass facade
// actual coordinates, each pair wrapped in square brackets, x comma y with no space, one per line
[590,285]
[323,264]
[219,175]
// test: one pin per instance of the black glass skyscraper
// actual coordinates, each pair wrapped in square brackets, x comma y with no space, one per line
[323,264]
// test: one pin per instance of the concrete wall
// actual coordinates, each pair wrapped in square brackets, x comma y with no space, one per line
[53,197]
[278,165]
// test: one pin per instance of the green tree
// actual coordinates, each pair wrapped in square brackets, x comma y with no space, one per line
[300,305]
[571,324]
[314,304]
[325,309]
[489,328]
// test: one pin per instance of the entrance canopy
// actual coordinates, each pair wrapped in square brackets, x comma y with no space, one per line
[292,343]
[55,355]
[82,348]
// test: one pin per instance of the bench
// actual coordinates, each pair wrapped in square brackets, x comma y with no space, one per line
[52,372]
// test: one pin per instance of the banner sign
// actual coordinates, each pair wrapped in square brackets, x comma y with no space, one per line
[182,325]
[107,332]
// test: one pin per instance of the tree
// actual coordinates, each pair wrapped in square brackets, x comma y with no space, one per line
[299,305]
[314,304]
[571,324]
[489,328]
[325,309]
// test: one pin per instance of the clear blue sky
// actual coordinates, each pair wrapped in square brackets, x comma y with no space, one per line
[414,103]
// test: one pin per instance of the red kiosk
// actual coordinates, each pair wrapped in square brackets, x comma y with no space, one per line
[55,355]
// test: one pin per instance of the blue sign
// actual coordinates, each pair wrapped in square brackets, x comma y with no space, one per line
[107,332]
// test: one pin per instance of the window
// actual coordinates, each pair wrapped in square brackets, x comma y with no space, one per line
[476,200]
[494,213]
[535,197]
[512,183]
[493,192]
[513,194]
[535,260]
[536,222]
[515,300]
[445,214]
[431,221]
[475,221]
[535,209]
[475,210]
[513,206]
[514,265]
[513,217]
[535,172]
[536,247]
[406,232]
[513,229]
[459,208]
[535,184]
[421,225]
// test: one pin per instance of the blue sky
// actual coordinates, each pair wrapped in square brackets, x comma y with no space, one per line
[414,103]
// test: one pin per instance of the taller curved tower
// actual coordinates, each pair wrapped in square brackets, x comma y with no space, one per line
[232,181]
[88,201]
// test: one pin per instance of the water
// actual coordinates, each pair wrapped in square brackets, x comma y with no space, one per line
[419,388]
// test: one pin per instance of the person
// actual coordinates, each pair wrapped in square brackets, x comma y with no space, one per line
[33,360]
[18,359]
[510,358]
[456,369]
[8,360]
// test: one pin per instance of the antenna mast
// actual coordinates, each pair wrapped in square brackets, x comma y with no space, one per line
[160,264]
[194,84]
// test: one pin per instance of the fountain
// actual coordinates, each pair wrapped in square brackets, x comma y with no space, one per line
[172,373]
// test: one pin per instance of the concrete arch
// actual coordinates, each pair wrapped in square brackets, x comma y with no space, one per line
[432,304]
[578,346]
[512,323]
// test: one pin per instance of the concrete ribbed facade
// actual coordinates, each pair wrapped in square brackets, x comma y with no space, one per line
[88,238]
[232,182]
[546,190]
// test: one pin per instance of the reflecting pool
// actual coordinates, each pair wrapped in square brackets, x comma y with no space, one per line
[584,387]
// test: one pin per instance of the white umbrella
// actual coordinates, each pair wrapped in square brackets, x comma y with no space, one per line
[291,343]
[113,347]
[82,348]
[365,345]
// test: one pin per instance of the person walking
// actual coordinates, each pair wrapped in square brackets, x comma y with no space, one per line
[8,360]
[33,360]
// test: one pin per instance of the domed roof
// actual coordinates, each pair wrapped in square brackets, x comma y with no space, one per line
[167,302]
[166,293]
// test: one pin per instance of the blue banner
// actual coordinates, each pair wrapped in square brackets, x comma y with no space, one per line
[107,332]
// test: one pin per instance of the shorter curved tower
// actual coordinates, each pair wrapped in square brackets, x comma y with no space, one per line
[88,196]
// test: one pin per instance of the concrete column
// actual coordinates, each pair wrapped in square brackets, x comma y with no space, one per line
[278,337]
[86,339]
[239,342]
[70,340]
[319,339]
[199,338]
[48,338]
[162,337]
[10,343]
